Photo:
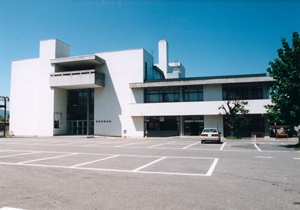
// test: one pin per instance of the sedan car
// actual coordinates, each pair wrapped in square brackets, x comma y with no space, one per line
[210,134]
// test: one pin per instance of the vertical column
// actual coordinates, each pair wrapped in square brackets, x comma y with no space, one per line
[181,125]
[181,94]
[88,111]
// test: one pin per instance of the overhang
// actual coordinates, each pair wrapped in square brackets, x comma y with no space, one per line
[205,81]
[78,62]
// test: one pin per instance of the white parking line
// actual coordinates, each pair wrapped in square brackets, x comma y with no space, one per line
[70,144]
[267,157]
[30,153]
[191,145]
[96,144]
[156,145]
[257,147]
[49,158]
[94,161]
[144,166]
[223,146]
[137,170]
[209,173]
[212,167]
[124,145]
[297,158]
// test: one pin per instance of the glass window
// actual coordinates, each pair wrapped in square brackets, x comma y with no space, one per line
[193,93]
[154,95]
[77,104]
[242,91]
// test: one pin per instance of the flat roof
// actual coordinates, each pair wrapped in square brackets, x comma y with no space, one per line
[78,61]
[247,78]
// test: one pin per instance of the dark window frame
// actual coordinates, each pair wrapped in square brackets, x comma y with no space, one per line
[242,91]
[160,95]
[192,93]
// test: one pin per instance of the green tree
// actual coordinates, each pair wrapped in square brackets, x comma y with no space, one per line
[285,92]
[235,115]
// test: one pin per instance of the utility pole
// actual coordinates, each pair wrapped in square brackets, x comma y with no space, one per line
[5,99]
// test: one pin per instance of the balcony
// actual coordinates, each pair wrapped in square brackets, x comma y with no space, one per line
[77,79]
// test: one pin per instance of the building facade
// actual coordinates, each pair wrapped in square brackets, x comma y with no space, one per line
[124,93]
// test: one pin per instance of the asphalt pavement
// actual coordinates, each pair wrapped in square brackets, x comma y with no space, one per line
[153,173]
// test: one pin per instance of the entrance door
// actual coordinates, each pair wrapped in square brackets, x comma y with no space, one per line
[77,127]
[80,111]
[193,125]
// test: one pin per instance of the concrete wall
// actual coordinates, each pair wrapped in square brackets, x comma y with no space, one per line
[191,108]
[60,110]
[32,99]
[214,121]
[112,115]
[212,92]
[24,97]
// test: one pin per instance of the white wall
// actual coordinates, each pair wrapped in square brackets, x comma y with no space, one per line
[191,108]
[112,101]
[212,92]
[32,100]
[24,97]
[49,49]
[214,121]
[60,110]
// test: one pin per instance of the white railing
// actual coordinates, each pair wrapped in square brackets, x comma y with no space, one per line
[71,73]
[83,78]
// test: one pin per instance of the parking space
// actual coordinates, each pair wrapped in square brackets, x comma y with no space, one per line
[199,165]
[164,143]
[190,166]
[119,143]
[64,172]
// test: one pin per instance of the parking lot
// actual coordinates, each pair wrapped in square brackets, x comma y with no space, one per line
[153,173]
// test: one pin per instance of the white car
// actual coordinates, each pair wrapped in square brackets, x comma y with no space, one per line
[210,134]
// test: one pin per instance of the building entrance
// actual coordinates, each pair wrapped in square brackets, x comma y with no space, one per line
[80,127]
[162,126]
[80,112]
[193,125]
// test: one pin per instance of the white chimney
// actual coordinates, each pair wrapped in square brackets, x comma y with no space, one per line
[163,59]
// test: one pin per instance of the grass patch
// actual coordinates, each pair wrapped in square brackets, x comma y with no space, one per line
[297,147]
[294,146]
[233,138]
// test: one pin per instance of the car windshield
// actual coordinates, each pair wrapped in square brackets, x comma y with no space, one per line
[210,130]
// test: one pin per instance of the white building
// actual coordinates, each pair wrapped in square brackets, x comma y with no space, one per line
[123,93]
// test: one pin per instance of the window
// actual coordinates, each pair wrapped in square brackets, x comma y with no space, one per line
[56,124]
[145,71]
[242,91]
[78,102]
[193,93]
[155,95]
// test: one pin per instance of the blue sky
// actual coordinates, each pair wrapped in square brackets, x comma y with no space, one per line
[209,37]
